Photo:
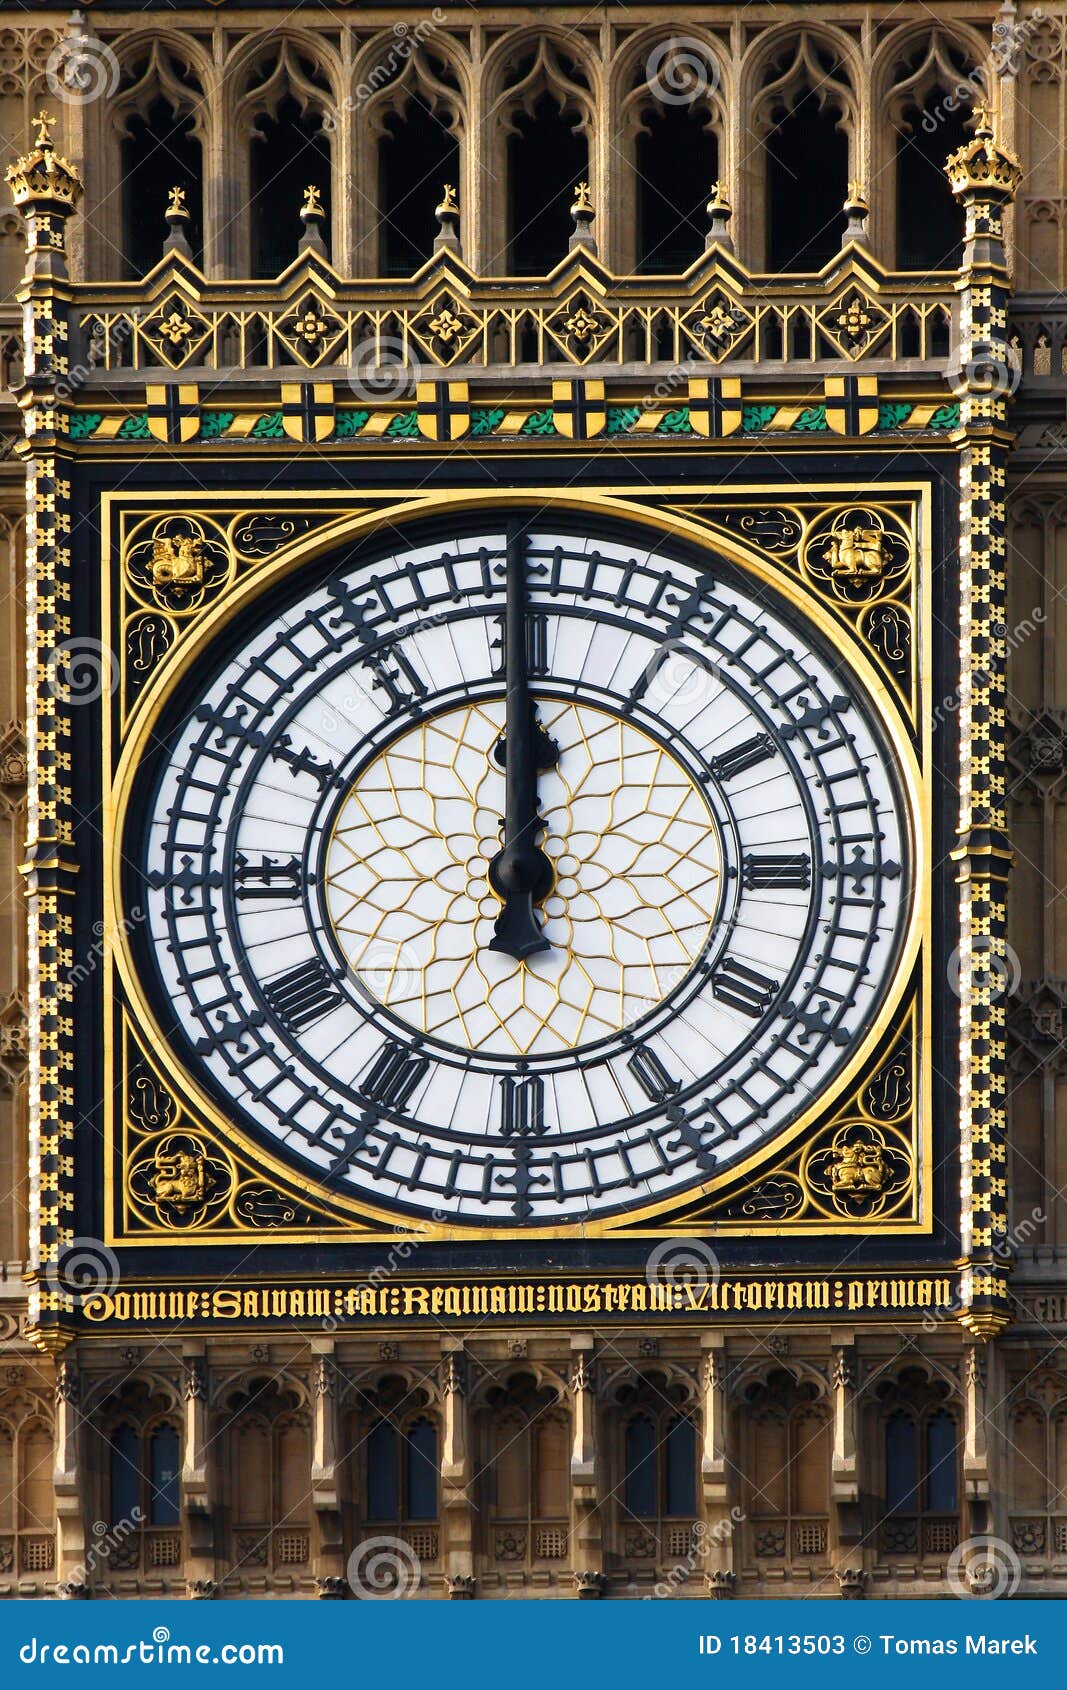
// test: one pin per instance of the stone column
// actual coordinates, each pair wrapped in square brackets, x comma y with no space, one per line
[196,1491]
[844,1476]
[586,1531]
[68,1481]
[457,1512]
[328,1554]
[720,1527]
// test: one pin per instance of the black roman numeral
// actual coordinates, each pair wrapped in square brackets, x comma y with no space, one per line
[742,757]
[522,1107]
[304,995]
[651,1075]
[269,878]
[394,1074]
[777,869]
[742,987]
[391,672]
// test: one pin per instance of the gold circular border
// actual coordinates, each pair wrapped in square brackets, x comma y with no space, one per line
[554,500]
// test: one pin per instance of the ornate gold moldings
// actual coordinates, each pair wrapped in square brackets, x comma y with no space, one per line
[178,1179]
[173,566]
[722,310]
[859,559]
[862,1166]
[882,1127]
[177,563]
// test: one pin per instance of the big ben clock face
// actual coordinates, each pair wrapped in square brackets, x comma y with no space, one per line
[521,876]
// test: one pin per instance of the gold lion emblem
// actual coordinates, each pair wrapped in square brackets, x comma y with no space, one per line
[178,563]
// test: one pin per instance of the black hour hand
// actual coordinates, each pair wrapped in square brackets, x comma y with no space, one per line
[521,873]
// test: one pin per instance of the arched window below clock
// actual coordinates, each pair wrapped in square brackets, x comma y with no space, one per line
[401,1468]
[784,1477]
[391,1439]
[141,1480]
[524,1477]
[919,1487]
[1037,1447]
[657,1458]
[267,1439]
[27,1504]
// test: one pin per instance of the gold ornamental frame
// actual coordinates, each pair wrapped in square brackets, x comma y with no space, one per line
[667,509]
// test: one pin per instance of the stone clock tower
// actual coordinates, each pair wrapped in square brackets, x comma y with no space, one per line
[521,786]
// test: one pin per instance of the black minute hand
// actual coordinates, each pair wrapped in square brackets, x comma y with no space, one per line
[521,874]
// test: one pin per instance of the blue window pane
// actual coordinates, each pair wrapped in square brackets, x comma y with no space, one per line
[680,1458]
[941,1495]
[124,1476]
[383,1491]
[641,1467]
[422,1471]
[901,1476]
[163,1459]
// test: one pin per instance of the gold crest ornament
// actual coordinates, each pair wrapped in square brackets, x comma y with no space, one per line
[178,561]
[857,554]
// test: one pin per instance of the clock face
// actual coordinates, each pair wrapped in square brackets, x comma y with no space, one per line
[716,886]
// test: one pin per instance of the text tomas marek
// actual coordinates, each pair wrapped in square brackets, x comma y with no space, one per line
[1024,1645]
[395,1300]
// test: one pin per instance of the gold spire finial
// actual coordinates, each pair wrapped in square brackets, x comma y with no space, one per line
[983,119]
[583,199]
[176,203]
[45,123]
[720,199]
[449,201]
[312,206]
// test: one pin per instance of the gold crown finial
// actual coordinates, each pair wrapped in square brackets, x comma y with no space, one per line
[312,206]
[449,201]
[176,202]
[982,167]
[719,195]
[43,179]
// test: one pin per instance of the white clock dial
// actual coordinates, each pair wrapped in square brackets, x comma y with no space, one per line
[635,849]
[731,877]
